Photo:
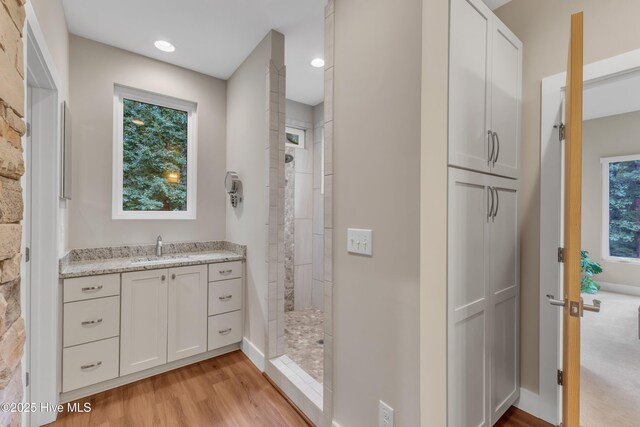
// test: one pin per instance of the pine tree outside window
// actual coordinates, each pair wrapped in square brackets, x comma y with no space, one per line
[621,208]
[154,175]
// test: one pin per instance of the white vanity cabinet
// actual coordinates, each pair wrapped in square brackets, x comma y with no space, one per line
[225,303]
[118,328]
[91,326]
[164,316]
[485,91]
[143,343]
[187,319]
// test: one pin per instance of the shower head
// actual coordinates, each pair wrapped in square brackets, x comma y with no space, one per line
[288,158]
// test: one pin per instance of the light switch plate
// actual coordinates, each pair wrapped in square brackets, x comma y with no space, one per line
[360,241]
[385,415]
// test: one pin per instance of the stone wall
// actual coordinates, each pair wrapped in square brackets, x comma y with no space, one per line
[12,127]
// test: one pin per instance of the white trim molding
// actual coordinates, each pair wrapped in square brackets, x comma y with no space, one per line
[551,184]
[620,289]
[528,402]
[253,353]
[121,93]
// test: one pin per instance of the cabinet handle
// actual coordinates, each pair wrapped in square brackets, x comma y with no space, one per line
[173,277]
[489,203]
[91,288]
[225,272]
[91,322]
[491,145]
[224,331]
[497,138]
[91,365]
[497,202]
[225,298]
[164,277]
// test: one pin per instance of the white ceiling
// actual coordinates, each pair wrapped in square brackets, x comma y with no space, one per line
[211,36]
[494,4]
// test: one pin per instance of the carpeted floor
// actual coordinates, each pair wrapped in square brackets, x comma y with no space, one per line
[610,359]
[304,330]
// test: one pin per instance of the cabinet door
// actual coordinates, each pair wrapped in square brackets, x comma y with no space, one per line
[468,296]
[143,337]
[506,94]
[469,52]
[187,333]
[504,280]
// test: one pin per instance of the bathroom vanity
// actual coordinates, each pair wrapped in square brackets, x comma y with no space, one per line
[128,314]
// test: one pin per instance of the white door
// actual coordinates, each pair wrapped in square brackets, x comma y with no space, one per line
[470,32]
[187,322]
[506,93]
[504,280]
[468,296]
[143,335]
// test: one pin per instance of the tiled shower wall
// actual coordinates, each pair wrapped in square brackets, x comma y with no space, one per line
[289,229]
[300,116]
[317,284]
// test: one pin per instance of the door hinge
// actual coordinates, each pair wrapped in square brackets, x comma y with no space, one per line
[561,131]
[559,377]
[27,254]
[560,254]
[27,379]
[28,129]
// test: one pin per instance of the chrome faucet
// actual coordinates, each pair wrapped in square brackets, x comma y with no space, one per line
[159,246]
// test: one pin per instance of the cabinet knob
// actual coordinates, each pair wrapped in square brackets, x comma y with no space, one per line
[164,277]
[173,277]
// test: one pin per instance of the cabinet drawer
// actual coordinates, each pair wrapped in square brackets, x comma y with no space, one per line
[81,288]
[225,270]
[225,329]
[88,364]
[225,296]
[91,320]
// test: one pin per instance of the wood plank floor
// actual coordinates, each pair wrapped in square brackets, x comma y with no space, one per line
[514,417]
[225,391]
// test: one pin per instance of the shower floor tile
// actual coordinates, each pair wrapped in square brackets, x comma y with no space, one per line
[304,330]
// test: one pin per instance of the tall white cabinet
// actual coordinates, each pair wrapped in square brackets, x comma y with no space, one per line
[483,252]
[485,86]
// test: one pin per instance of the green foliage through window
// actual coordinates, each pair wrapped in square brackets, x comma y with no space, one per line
[154,157]
[624,209]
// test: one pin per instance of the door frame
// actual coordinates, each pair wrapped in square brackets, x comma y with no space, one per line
[548,406]
[40,294]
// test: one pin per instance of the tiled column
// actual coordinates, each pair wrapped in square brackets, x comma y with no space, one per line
[276,89]
[329,38]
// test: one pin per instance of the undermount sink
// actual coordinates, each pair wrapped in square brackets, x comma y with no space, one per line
[162,259]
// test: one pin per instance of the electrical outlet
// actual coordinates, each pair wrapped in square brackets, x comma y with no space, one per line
[360,241]
[385,415]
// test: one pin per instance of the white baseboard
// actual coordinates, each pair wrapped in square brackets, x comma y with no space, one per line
[528,402]
[620,289]
[253,353]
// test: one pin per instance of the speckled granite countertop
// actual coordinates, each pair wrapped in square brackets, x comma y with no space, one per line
[119,259]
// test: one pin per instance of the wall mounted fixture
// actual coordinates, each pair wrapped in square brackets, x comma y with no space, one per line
[233,185]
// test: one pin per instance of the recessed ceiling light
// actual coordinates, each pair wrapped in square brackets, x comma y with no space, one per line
[164,46]
[137,122]
[317,62]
